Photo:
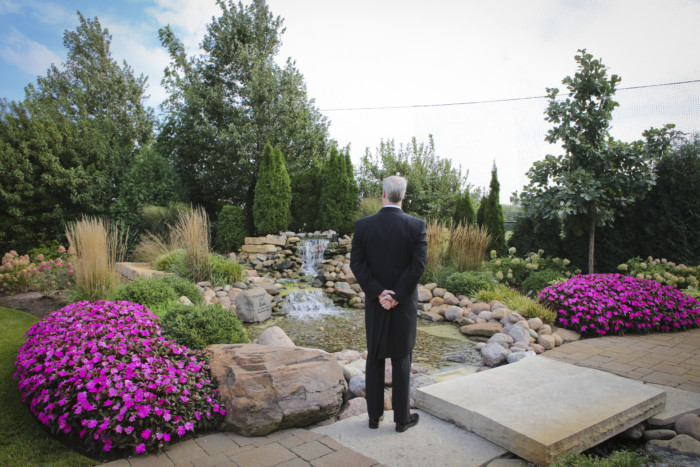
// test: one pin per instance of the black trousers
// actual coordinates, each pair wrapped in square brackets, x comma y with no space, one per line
[374,378]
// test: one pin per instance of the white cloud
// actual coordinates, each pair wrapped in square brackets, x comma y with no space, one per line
[188,18]
[29,56]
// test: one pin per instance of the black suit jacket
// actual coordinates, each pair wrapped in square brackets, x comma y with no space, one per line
[389,251]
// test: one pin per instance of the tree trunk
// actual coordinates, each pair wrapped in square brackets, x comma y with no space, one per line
[591,247]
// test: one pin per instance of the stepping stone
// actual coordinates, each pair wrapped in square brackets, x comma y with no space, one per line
[539,408]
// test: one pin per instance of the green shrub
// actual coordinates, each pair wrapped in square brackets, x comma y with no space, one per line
[158,294]
[512,270]
[616,459]
[540,279]
[197,326]
[231,229]
[173,261]
[662,271]
[468,282]
[224,271]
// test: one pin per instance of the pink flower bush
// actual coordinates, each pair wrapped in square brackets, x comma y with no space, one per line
[599,304]
[100,375]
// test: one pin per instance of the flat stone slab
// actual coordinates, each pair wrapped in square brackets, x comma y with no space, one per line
[431,442]
[678,403]
[133,271]
[539,408]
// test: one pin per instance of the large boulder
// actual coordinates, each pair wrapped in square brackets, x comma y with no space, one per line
[275,337]
[265,389]
[482,329]
[253,305]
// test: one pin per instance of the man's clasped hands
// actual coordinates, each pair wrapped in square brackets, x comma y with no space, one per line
[386,300]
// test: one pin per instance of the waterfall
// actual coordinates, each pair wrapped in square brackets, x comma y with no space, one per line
[310,303]
[311,253]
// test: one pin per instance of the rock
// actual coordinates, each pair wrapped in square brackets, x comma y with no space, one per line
[387,399]
[494,354]
[270,287]
[430,286]
[418,382]
[546,329]
[535,323]
[439,309]
[258,249]
[659,434]
[634,432]
[486,315]
[346,356]
[521,345]
[482,329]
[358,386]
[265,389]
[439,292]
[480,346]
[424,295]
[208,293]
[502,339]
[388,379]
[253,305]
[283,265]
[688,424]
[436,301]
[463,321]
[431,316]
[517,356]
[567,335]
[518,334]
[450,299]
[343,289]
[353,407]
[500,313]
[275,337]
[522,324]
[184,300]
[479,307]
[533,334]
[456,358]
[682,444]
[557,339]
[546,341]
[514,317]
[495,304]
[349,372]
[453,313]
[537,348]
[465,302]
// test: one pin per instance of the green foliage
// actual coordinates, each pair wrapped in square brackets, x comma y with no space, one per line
[493,216]
[273,193]
[533,233]
[464,210]
[23,441]
[467,283]
[616,459]
[538,280]
[224,271]
[149,180]
[158,294]
[334,205]
[173,261]
[305,198]
[433,184]
[197,326]
[351,202]
[513,270]
[230,229]
[228,101]
[369,206]
[596,174]
[481,211]
[65,148]
[160,220]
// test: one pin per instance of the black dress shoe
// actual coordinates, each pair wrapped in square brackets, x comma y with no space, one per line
[374,422]
[412,421]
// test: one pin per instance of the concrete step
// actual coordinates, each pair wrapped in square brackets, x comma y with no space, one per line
[431,442]
[539,408]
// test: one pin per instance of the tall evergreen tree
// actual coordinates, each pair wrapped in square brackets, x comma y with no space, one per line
[480,211]
[333,195]
[305,198]
[273,193]
[352,194]
[464,211]
[493,215]
[65,149]
[227,102]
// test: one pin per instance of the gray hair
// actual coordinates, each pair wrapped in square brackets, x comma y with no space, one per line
[395,188]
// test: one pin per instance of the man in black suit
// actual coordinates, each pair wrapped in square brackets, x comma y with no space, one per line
[388,258]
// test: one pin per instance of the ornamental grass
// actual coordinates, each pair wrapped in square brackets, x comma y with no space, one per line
[467,246]
[600,304]
[101,378]
[192,232]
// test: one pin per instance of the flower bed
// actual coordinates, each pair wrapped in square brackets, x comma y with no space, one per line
[99,375]
[599,304]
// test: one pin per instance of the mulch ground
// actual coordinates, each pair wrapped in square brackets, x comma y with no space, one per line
[34,303]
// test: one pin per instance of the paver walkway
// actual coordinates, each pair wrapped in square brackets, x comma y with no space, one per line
[670,359]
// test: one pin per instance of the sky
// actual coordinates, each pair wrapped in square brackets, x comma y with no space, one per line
[469,73]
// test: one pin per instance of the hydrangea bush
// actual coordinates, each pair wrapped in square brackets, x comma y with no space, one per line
[20,274]
[512,270]
[100,376]
[662,271]
[599,304]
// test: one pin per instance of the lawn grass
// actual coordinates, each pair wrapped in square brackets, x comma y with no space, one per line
[22,439]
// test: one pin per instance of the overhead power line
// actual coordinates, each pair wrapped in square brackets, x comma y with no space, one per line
[491,101]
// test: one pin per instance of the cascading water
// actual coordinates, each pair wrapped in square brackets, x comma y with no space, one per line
[310,302]
[311,253]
